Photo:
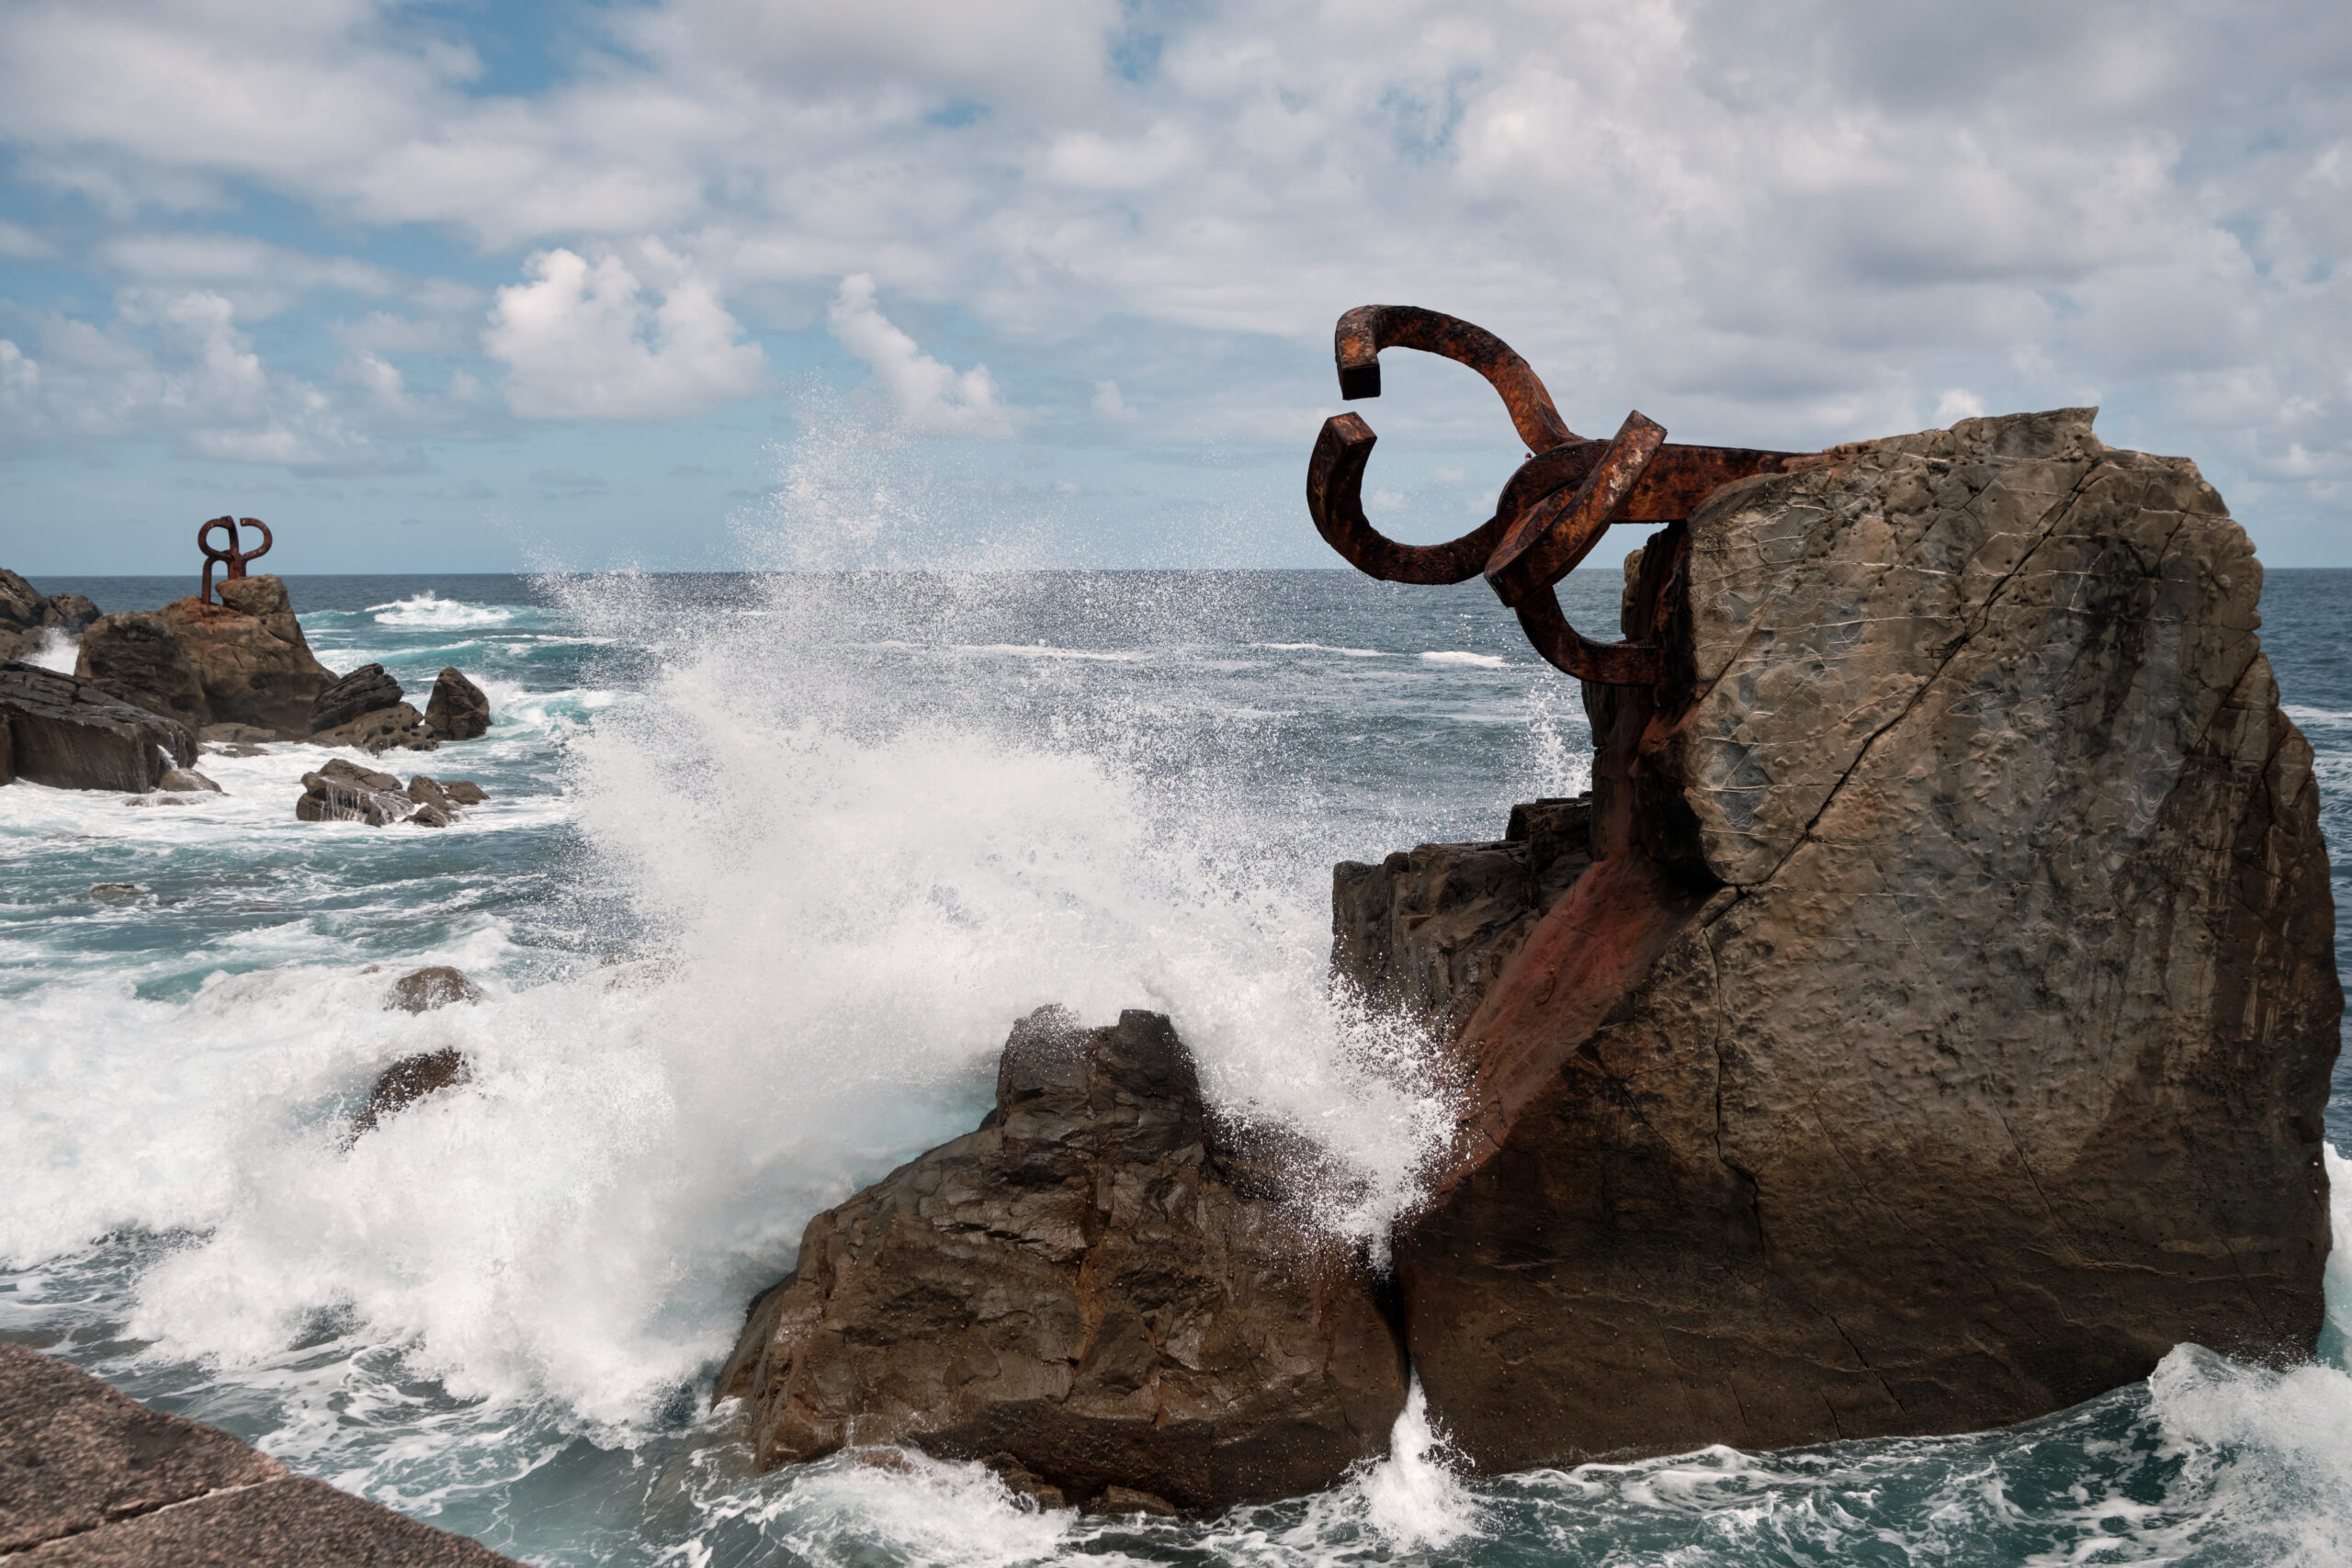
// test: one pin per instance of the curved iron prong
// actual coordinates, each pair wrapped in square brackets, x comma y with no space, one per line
[1606,663]
[1335,500]
[1364,331]
[213,556]
[1545,543]
[245,556]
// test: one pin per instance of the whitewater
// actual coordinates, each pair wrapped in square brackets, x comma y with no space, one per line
[770,863]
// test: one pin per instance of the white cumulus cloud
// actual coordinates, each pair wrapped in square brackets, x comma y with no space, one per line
[929,397]
[583,340]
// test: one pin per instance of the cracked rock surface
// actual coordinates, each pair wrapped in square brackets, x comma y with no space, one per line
[1097,1290]
[1941,1032]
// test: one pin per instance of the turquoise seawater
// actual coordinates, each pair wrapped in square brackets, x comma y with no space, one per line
[769,866]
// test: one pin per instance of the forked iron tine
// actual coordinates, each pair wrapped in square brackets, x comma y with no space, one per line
[1364,331]
[1335,500]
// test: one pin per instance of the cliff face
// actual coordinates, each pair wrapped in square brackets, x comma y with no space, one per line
[1941,1032]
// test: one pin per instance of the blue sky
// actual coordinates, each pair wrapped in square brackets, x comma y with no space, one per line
[715,283]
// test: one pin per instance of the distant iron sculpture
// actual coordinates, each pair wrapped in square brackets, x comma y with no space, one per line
[1552,512]
[235,558]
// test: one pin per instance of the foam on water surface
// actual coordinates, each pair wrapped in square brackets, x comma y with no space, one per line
[770,866]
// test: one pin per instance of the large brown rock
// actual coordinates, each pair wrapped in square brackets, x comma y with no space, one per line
[90,1477]
[368,689]
[135,656]
[70,734]
[249,656]
[1942,1033]
[1098,1288]
[458,710]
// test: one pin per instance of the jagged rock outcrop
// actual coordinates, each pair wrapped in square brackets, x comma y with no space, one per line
[1097,1289]
[435,986]
[409,1080]
[365,691]
[68,733]
[1941,1031]
[27,616]
[136,656]
[241,661]
[399,726]
[1425,931]
[458,710]
[343,791]
[91,1478]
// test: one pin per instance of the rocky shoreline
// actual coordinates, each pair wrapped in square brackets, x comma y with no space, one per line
[1923,1026]
[152,689]
[90,1477]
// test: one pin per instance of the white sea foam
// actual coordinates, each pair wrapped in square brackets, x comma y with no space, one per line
[57,651]
[428,610]
[1321,648]
[1457,655]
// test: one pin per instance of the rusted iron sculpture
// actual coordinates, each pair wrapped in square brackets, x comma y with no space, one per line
[233,557]
[1551,513]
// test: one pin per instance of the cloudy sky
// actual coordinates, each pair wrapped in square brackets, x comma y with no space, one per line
[705,283]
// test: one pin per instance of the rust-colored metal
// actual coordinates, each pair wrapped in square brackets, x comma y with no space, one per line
[233,557]
[1552,512]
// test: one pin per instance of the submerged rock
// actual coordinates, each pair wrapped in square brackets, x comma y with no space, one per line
[365,691]
[1081,1291]
[409,1080]
[1941,1031]
[435,986]
[187,781]
[457,710]
[69,734]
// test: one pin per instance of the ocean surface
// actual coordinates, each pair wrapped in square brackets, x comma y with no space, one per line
[770,863]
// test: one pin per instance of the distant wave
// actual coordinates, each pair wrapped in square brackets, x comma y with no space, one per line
[1455,656]
[1045,650]
[1320,647]
[426,610]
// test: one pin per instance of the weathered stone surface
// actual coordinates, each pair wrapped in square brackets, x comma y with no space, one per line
[436,985]
[1943,1033]
[344,792]
[90,1477]
[28,617]
[67,733]
[1424,932]
[187,781]
[249,656]
[457,710]
[75,1454]
[135,656]
[464,792]
[365,691]
[410,1078]
[1079,1289]
[399,726]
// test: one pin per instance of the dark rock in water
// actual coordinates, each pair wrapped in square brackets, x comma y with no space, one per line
[228,736]
[116,890]
[187,781]
[28,617]
[457,710]
[464,792]
[97,1481]
[1941,1031]
[1127,1500]
[436,985]
[1078,1288]
[410,1078]
[136,656]
[427,793]
[344,792]
[365,691]
[1423,933]
[384,731]
[1023,1481]
[67,733]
